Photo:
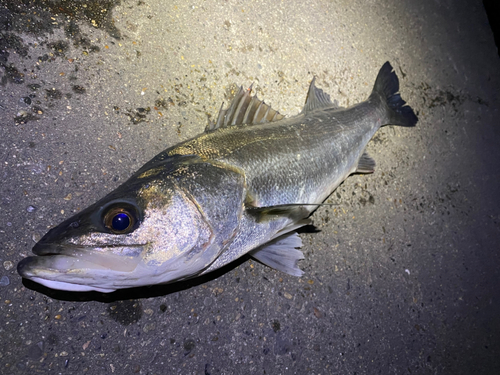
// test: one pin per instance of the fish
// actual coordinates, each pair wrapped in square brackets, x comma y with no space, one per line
[243,186]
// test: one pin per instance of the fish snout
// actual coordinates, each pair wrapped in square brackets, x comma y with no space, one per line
[24,267]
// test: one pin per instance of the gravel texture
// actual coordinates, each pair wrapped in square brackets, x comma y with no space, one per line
[402,275]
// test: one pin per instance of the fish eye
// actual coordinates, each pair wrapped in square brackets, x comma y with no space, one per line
[119,220]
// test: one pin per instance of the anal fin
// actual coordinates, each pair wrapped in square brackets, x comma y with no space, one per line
[366,164]
[281,254]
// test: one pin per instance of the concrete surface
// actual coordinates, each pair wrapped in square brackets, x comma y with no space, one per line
[402,276]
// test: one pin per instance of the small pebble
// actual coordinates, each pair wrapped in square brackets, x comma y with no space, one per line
[4,281]
[31,208]
[317,313]
[148,327]
[8,265]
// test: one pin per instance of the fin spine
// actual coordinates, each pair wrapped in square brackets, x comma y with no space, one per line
[244,109]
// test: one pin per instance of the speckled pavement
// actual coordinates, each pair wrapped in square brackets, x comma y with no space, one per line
[401,275]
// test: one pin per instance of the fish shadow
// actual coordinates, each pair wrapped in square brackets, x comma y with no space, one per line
[311,228]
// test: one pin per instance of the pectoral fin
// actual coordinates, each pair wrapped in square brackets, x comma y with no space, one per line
[281,254]
[296,212]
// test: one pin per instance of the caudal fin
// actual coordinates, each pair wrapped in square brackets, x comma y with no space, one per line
[387,87]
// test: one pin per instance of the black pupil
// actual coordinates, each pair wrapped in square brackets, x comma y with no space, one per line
[120,222]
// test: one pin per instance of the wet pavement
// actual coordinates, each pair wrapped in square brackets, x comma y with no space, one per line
[401,273]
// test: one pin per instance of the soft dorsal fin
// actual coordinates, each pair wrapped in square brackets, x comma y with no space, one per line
[317,98]
[244,109]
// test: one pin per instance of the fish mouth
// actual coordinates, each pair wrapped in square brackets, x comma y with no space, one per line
[80,268]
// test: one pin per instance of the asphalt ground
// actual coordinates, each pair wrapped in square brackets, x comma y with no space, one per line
[401,273]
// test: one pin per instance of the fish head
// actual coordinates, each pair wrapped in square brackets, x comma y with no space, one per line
[148,231]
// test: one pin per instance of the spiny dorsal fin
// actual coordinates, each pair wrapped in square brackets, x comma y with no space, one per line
[317,98]
[244,109]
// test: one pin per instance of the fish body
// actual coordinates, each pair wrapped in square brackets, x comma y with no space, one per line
[243,186]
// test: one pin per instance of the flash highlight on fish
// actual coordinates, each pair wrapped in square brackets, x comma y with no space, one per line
[242,187]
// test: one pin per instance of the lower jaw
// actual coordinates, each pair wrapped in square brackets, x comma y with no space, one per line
[59,285]
[79,273]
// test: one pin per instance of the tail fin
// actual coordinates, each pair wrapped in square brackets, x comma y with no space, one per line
[387,86]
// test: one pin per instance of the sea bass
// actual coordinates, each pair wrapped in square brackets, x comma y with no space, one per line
[243,186]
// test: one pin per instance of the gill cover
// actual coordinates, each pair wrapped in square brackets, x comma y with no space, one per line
[168,222]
